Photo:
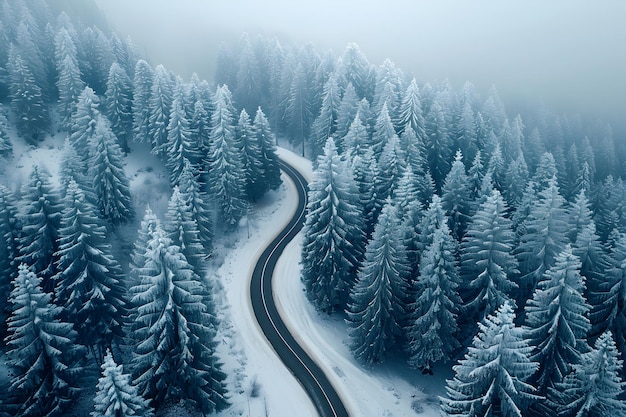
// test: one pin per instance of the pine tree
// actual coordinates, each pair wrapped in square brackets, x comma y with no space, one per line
[487,265]
[249,79]
[609,297]
[142,83]
[466,136]
[270,161]
[119,102]
[594,388]
[251,157]
[42,353]
[333,233]
[109,180]
[324,125]
[377,310]
[391,166]
[492,378]
[365,173]
[355,69]
[455,197]
[410,111]
[545,236]
[27,101]
[40,226]
[180,145]
[159,106]
[174,342]
[89,283]
[348,108]
[433,330]
[356,139]
[69,83]
[115,395]
[299,109]
[226,178]
[145,234]
[515,180]
[437,144]
[383,131]
[6,147]
[197,200]
[82,124]
[9,234]
[556,320]
[182,229]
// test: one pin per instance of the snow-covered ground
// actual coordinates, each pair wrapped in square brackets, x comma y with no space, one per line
[387,390]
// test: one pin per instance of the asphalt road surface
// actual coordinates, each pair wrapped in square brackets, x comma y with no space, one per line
[306,371]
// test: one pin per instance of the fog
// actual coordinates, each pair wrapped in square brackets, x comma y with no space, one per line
[569,55]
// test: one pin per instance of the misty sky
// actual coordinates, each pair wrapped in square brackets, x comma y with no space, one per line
[569,54]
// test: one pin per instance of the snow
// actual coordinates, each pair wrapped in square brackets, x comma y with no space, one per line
[384,390]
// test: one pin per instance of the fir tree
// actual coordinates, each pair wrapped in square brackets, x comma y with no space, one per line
[383,131]
[251,157]
[42,351]
[182,229]
[594,388]
[6,147]
[391,166]
[160,105]
[270,161]
[487,264]
[324,125]
[9,249]
[333,233]
[40,226]
[69,83]
[455,197]
[356,139]
[433,330]
[115,395]
[437,144]
[197,200]
[174,349]
[410,111]
[82,124]
[142,83]
[118,103]
[377,310]
[27,101]
[109,180]
[89,283]
[348,108]
[545,236]
[180,145]
[556,320]
[492,378]
[226,178]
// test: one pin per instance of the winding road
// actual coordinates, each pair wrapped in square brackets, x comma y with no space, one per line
[307,372]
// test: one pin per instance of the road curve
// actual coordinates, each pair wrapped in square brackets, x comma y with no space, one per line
[307,372]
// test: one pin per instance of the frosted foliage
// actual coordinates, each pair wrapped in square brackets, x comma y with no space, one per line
[492,377]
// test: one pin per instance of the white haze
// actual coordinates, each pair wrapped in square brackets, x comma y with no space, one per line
[570,55]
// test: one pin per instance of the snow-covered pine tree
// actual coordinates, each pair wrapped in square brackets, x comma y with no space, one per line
[365,173]
[270,161]
[556,320]
[160,104]
[465,134]
[6,147]
[492,378]
[333,244]
[182,229]
[455,196]
[82,124]
[432,333]
[410,111]
[487,265]
[595,387]
[69,81]
[40,221]
[437,143]
[180,144]
[609,297]
[544,237]
[299,110]
[193,195]
[226,175]
[142,83]
[515,180]
[9,234]
[348,108]
[119,105]
[174,348]
[43,355]
[355,140]
[251,157]
[383,131]
[89,284]
[115,395]
[324,124]
[431,221]
[27,102]
[106,168]
[377,311]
